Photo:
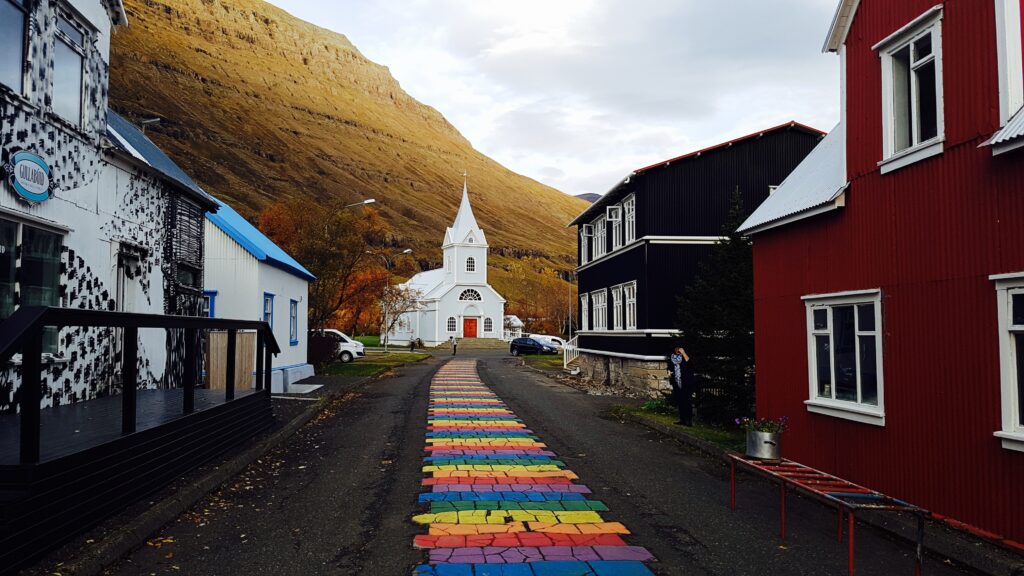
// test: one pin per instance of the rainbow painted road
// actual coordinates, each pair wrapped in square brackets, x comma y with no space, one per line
[502,504]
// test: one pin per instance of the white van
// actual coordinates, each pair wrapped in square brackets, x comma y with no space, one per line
[348,349]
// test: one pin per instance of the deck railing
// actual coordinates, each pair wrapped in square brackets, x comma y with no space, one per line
[23,332]
[570,352]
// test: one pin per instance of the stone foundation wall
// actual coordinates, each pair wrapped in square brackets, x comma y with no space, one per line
[637,377]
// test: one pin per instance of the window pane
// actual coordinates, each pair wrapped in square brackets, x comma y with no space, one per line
[844,338]
[821,319]
[40,275]
[927,108]
[1018,342]
[67,83]
[923,48]
[8,238]
[73,33]
[1018,309]
[12,45]
[868,371]
[901,99]
[866,317]
[823,359]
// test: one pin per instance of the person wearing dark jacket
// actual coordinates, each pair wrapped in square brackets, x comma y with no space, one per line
[682,379]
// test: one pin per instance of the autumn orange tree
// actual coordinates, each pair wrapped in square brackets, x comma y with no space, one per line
[332,243]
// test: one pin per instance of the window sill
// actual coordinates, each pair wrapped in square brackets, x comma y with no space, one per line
[846,412]
[912,155]
[293,343]
[1011,440]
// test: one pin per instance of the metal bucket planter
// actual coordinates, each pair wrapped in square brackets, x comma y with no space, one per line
[764,445]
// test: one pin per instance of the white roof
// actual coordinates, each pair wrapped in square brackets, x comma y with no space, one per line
[425,282]
[1013,130]
[815,186]
[465,223]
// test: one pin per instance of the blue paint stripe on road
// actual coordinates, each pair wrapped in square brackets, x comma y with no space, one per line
[545,568]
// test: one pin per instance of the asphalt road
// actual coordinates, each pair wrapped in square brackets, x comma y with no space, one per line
[337,497]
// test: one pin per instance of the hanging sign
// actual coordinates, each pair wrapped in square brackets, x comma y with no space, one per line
[29,175]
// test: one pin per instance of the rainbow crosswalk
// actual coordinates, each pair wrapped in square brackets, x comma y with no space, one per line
[502,504]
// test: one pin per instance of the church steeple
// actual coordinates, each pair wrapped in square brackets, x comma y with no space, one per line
[464,230]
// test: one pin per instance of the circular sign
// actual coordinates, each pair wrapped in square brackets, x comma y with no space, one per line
[30,177]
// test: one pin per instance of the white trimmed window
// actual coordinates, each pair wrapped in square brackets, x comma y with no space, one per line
[600,243]
[617,308]
[844,355]
[629,295]
[470,264]
[68,70]
[1010,302]
[13,32]
[600,301]
[488,325]
[1011,60]
[586,231]
[584,312]
[452,326]
[912,105]
[615,217]
[629,218]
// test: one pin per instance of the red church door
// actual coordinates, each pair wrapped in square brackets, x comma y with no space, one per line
[469,327]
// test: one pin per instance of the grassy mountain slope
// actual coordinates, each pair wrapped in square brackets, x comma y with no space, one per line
[259,106]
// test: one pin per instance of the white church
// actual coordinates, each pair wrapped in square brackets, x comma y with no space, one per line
[454,301]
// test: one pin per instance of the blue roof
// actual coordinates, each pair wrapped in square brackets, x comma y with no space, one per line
[132,140]
[254,242]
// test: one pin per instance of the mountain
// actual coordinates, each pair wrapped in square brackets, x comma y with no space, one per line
[259,106]
[589,197]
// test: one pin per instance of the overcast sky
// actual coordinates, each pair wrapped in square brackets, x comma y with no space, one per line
[578,93]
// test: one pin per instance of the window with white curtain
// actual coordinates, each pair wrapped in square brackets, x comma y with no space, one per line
[600,242]
[629,295]
[584,312]
[629,218]
[600,301]
[617,308]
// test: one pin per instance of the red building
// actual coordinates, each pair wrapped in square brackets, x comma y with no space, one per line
[889,267]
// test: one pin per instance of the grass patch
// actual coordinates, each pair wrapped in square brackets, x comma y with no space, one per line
[373,364]
[550,362]
[659,411]
[368,340]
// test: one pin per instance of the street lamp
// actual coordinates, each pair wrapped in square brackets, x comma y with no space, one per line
[387,282]
[364,202]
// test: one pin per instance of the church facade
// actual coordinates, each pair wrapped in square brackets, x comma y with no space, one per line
[456,300]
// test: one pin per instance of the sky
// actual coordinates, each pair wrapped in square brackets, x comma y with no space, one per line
[578,93]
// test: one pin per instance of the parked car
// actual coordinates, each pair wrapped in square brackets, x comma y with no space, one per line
[348,349]
[553,341]
[530,346]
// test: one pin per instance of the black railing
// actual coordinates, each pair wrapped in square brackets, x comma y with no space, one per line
[23,332]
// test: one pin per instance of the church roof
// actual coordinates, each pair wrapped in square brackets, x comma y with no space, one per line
[426,282]
[465,223]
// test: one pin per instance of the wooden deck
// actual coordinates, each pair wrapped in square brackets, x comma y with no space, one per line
[67,430]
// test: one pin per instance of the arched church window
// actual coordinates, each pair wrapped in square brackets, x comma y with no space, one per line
[488,325]
[451,323]
[470,295]
[470,264]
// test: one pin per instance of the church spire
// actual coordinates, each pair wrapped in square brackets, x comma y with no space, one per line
[465,221]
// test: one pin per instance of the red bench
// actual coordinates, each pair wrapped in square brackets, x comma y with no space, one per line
[847,497]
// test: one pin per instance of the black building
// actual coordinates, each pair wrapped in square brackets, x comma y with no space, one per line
[642,242]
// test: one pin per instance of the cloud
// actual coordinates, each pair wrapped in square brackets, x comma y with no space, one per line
[576,93]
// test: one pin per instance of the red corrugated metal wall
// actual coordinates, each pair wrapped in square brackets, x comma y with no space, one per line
[929,236]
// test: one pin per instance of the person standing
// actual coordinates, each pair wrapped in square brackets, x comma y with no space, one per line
[455,345]
[681,376]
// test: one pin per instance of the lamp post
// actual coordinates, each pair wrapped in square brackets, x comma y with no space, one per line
[387,283]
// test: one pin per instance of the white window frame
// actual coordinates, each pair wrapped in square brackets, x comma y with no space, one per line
[629,295]
[452,325]
[1010,59]
[928,23]
[617,307]
[470,264]
[584,312]
[600,239]
[849,410]
[488,325]
[586,232]
[599,299]
[83,53]
[1012,433]
[629,218]
[616,230]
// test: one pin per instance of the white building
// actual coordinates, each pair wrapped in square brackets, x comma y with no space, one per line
[248,277]
[455,300]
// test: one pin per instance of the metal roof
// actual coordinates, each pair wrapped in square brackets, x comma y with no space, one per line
[841,23]
[814,186]
[254,242]
[617,191]
[1013,130]
[130,139]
